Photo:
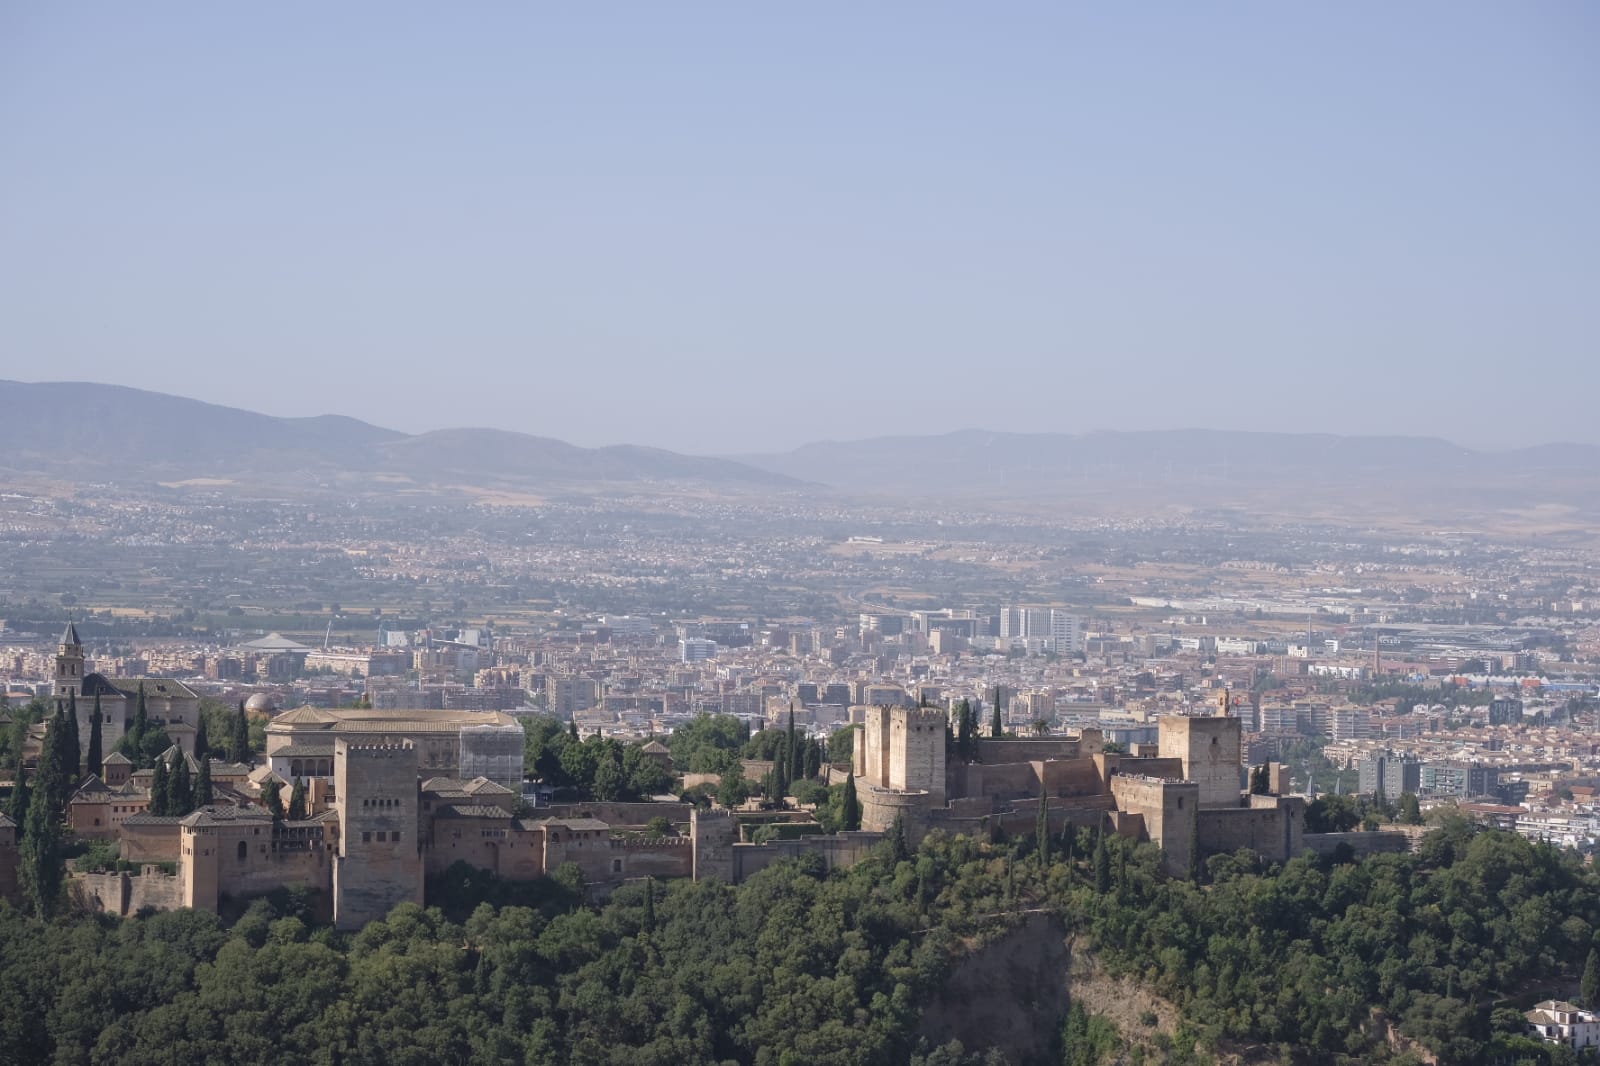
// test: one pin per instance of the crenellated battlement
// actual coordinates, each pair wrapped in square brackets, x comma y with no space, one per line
[379,750]
[646,842]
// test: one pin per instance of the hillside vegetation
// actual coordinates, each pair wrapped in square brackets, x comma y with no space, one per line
[1311,962]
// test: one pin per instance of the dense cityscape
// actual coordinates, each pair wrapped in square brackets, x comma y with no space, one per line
[615,690]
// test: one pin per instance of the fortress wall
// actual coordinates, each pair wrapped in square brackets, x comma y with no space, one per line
[1071,777]
[460,840]
[1024,820]
[151,843]
[838,852]
[668,857]
[125,894]
[1271,832]
[995,751]
[311,866]
[621,814]
[1007,781]
[589,848]
[1379,843]
[880,807]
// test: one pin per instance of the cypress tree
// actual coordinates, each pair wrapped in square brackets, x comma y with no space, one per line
[297,801]
[75,757]
[203,795]
[850,816]
[41,857]
[202,743]
[996,729]
[572,729]
[813,763]
[95,764]
[796,766]
[50,783]
[160,790]
[649,904]
[239,750]
[272,797]
[1589,988]
[897,839]
[180,787]
[1102,865]
[18,807]
[1041,827]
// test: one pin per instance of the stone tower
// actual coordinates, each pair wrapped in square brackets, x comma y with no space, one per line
[712,835]
[916,751]
[69,667]
[1209,750]
[379,863]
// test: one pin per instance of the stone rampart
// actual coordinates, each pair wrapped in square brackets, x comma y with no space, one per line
[997,751]
[1382,842]
[1273,832]
[881,806]
[620,814]
[125,894]
[839,851]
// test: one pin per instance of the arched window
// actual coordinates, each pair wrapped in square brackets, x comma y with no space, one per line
[244,851]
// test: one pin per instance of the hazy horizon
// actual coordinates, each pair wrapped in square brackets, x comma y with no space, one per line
[725,230]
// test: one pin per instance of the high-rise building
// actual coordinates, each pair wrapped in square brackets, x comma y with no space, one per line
[1505,710]
[1066,632]
[696,649]
[1391,774]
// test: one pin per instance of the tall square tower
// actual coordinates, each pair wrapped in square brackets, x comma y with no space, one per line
[1209,750]
[379,863]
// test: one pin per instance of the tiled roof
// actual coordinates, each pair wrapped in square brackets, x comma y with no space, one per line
[92,786]
[472,810]
[146,818]
[224,815]
[305,749]
[155,688]
[581,824]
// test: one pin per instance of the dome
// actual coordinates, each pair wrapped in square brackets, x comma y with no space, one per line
[261,703]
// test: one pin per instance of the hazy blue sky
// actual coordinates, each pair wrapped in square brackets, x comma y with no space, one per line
[735,228]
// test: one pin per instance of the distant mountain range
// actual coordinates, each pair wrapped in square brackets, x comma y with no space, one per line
[972,460]
[108,433]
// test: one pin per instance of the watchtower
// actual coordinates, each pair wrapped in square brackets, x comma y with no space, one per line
[379,863]
[916,751]
[1209,751]
[712,835]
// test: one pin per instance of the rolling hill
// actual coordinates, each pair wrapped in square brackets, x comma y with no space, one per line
[109,433]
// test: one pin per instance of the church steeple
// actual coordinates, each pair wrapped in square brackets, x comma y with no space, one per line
[69,666]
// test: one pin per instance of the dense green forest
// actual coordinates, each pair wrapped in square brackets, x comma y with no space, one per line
[1312,959]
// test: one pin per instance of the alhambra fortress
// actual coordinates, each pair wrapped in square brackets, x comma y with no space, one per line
[395,796]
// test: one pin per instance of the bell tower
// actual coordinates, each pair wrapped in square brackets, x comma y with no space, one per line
[69,666]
